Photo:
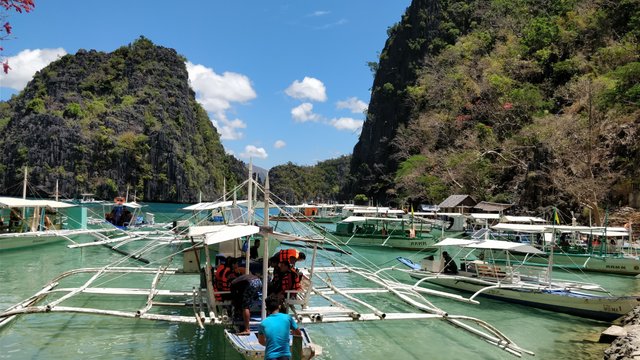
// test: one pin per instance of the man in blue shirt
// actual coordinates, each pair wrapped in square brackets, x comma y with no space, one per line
[273,332]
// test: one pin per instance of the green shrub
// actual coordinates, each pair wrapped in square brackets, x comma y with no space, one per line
[36,106]
[73,110]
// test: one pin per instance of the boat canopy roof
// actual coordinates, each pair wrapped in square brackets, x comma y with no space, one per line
[377,211]
[505,245]
[312,206]
[490,244]
[212,205]
[18,202]
[437,214]
[527,228]
[215,234]
[607,233]
[455,242]
[523,219]
[485,216]
[353,219]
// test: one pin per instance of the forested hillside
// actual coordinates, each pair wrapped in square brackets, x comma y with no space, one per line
[101,122]
[532,102]
[322,182]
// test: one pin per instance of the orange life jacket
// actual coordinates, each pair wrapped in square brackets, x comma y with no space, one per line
[222,281]
[285,255]
[290,281]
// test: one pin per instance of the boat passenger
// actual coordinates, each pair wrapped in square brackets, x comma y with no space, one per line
[15,218]
[273,332]
[225,274]
[246,293]
[291,256]
[253,250]
[450,266]
[284,280]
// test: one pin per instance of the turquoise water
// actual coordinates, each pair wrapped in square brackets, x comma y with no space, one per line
[74,336]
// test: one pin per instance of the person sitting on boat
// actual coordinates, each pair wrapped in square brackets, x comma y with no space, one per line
[47,223]
[273,332]
[284,280]
[450,266]
[224,275]
[115,217]
[15,218]
[253,250]
[246,294]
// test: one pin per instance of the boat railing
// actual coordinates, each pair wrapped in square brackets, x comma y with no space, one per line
[532,273]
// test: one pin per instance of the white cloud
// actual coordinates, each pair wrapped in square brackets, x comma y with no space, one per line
[309,88]
[346,123]
[304,113]
[333,24]
[229,129]
[353,104]
[251,151]
[216,93]
[320,13]
[26,64]
[279,144]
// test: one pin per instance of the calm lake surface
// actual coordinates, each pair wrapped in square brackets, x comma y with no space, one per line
[75,336]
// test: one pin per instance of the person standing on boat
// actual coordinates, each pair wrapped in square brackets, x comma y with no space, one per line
[291,256]
[246,293]
[273,332]
[450,266]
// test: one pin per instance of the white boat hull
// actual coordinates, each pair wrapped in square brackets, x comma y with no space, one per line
[249,347]
[9,241]
[624,265]
[607,308]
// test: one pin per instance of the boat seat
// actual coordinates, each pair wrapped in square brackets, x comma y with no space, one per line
[485,270]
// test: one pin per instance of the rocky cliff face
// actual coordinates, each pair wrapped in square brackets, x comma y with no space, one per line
[373,163]
[99,122]
[528,102]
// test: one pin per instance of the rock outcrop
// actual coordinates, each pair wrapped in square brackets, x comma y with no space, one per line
[101,122]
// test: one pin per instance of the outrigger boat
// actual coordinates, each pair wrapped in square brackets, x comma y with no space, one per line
[602,250]
[317,213]
[377,231]
[321,299]
[526,285]
[36,222]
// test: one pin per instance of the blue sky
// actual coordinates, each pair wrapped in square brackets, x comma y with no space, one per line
[281,80]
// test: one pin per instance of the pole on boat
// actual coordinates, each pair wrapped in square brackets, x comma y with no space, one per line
[24,184]
[250,212]
[208,270]
[265,249]
[551,246]
[313,265]
[126,197]
[224,189]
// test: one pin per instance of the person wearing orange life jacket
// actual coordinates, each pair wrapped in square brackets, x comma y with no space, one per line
[225,274]
[291,256]
[285,278]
